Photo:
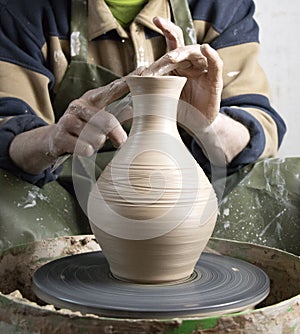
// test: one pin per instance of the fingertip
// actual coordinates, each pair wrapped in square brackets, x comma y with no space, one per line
[84,149]
[157,20]
[210,53]
[118,136]
[89,151]
[122,135]
[205,48]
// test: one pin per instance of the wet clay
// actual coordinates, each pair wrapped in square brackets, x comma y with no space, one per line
[153,208]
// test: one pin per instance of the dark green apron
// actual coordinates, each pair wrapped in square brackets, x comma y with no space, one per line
[30,213]
[261,203]
[264,206]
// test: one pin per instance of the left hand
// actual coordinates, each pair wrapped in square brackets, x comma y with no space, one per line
[201,64]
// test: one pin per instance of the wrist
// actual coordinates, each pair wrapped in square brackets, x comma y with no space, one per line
[30,150]
[223,139]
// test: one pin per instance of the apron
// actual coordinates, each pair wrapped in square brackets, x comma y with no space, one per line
[264,206]
[29,213]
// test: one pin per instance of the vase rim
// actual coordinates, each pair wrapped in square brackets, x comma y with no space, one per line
[165,85]
[171,77]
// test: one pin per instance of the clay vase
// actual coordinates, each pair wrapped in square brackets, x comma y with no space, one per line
[153,209]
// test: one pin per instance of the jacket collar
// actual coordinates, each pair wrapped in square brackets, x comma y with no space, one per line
[100,19]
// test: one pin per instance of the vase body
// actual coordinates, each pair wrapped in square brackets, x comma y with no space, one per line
[153,209]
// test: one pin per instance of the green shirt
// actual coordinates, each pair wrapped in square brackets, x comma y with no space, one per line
[125,10]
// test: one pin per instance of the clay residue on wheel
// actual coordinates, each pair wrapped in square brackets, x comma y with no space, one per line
[17,265]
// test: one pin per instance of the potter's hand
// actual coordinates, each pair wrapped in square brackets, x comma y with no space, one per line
[221,137]
[37,149]
[83,129]
[199,63]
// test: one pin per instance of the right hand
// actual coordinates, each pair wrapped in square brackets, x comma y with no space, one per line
[86,125]
[84,128]
[37,149]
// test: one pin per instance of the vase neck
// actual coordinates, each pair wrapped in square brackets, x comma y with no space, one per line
[155,102]
[154,113]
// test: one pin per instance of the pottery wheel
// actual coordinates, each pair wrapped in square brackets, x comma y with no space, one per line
[219,284]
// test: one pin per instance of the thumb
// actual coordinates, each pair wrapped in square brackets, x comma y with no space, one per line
[214,62]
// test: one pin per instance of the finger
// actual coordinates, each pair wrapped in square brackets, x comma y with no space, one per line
[191,53]
[108,125]
[139,71]
[172,33]
[83,148]
[92,136]
[117,136]
[103,96]
[162,66]
[101,126]
[92,127]
[104,122]
[62,141]
[214,61]
[70,123]
[66,138]
[179,59]
[82,110]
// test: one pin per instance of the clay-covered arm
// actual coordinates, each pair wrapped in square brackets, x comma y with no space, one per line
[35,150]
[222,136]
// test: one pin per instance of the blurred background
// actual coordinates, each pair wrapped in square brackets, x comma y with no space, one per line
[279,22]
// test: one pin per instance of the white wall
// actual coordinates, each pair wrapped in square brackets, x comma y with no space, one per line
[279,22]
